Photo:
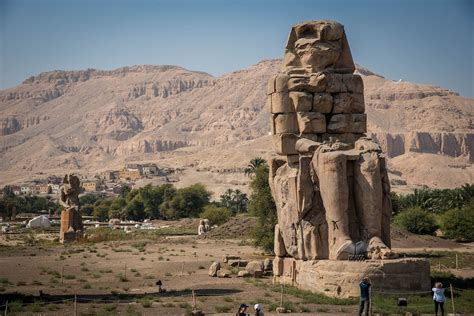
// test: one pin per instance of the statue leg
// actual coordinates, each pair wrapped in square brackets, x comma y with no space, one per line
[368,193]
[332,174]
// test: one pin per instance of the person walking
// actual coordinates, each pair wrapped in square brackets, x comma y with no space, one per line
[364,305]
[438,297]
[258,310]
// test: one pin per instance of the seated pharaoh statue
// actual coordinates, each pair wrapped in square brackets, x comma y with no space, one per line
[329,181]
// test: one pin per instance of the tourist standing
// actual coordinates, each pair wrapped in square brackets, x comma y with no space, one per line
[364,305]
[258,310]
[438,297]
[242,310]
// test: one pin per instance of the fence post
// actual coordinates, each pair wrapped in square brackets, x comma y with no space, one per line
[281,296]
[125,271]
[370,300]
[182,269]
[75,305]
[452,296]
[194,301]
[6,308]
[62,275]
[457,261]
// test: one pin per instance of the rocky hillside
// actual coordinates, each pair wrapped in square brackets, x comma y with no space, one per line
[94,120]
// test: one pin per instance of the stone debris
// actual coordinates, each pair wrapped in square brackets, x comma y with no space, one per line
[214,268]
[267,264]
[226,258]
[237,263]
[223,274]
[243,274]
[253,266]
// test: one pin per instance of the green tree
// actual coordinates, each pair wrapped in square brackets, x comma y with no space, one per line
[135,210]
[8,192]
[458,223]
[235,200]
[117,208]
[125,190]
[186,202]
[254,164]
[262,205]
[101,209]
[90,198]
[417,221]
[153,197]
[215,214]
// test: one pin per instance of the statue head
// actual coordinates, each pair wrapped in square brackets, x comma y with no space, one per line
[317,46]
[72,180]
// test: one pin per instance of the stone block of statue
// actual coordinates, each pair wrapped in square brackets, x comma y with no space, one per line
[330,181]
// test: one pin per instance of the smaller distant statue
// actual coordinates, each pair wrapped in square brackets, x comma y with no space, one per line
[204,226]
[71,218]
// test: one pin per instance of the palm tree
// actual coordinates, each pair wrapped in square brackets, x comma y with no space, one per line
[254,164]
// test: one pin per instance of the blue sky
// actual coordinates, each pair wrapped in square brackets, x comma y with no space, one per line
[416,40]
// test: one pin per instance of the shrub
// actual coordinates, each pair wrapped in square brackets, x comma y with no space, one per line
[216,215]
[458,223]
[416,221]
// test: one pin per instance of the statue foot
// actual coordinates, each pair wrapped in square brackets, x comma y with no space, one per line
[360,247]
[378,250]
[342,250]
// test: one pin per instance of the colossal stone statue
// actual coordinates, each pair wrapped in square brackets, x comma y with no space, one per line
[329,181]
[71,219]
[332,192]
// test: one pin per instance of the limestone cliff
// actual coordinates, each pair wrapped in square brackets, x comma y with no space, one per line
[95,119]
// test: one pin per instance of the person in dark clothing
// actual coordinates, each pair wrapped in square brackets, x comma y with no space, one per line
[364,305]
[242,310]
[159,284]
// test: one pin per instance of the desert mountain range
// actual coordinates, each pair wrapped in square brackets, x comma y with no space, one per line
[93,120]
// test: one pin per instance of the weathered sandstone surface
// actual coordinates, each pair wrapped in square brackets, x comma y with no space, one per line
[94,120]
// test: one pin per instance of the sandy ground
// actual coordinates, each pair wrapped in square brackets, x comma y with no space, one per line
[97,271]
[91,271]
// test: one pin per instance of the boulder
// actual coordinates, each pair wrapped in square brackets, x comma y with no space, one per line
[253,266]
[243,274]
[214,268]
[223,273]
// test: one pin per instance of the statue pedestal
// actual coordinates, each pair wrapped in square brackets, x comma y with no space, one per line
[341,278]
[71,226]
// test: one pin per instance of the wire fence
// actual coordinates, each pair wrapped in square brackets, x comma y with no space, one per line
[5,309]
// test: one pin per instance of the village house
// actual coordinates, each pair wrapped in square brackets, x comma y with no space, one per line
[130,174]
[25,189]
[55,188]
[90,186]
[44,189]
[150,169]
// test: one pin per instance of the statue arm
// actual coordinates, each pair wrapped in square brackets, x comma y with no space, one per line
[63,198]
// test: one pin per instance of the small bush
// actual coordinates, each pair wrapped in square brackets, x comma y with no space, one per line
[122,278]
[416,221]
[459,223]
[216,215]
[223,308]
